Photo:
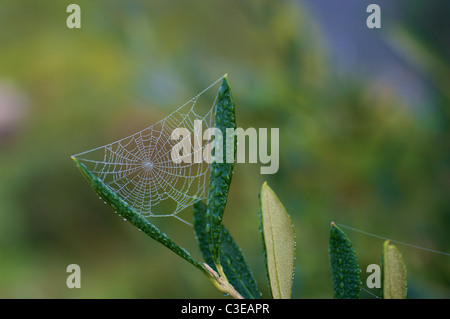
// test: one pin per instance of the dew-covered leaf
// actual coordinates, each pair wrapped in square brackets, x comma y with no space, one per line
[221,173]
[394,272]
[278,242]
[345,271]
[132,216]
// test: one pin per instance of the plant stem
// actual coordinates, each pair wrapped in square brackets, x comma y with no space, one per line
[221,282]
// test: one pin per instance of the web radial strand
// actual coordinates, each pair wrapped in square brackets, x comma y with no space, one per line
[140,169]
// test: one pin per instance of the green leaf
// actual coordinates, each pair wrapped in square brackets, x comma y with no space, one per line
[232,260]
[278,243]
[221,173]
[131,215]
[345,271]
[393,273]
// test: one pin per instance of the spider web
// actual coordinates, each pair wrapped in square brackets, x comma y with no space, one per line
[140,169]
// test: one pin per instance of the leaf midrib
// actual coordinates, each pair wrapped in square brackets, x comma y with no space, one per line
[274,254]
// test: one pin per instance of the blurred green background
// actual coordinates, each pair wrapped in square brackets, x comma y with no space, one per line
[364,135]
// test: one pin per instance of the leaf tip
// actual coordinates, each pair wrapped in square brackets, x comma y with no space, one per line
[78,164]
[264,187]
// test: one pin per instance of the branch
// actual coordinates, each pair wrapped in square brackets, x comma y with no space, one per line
[221,282]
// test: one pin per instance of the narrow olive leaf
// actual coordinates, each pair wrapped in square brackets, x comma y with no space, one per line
[131,215]
[345,271]
[221,168]
[278,242]
[199,223]
[232,260]
[393,273]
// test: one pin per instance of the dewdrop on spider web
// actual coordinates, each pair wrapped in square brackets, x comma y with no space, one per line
[140,169]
